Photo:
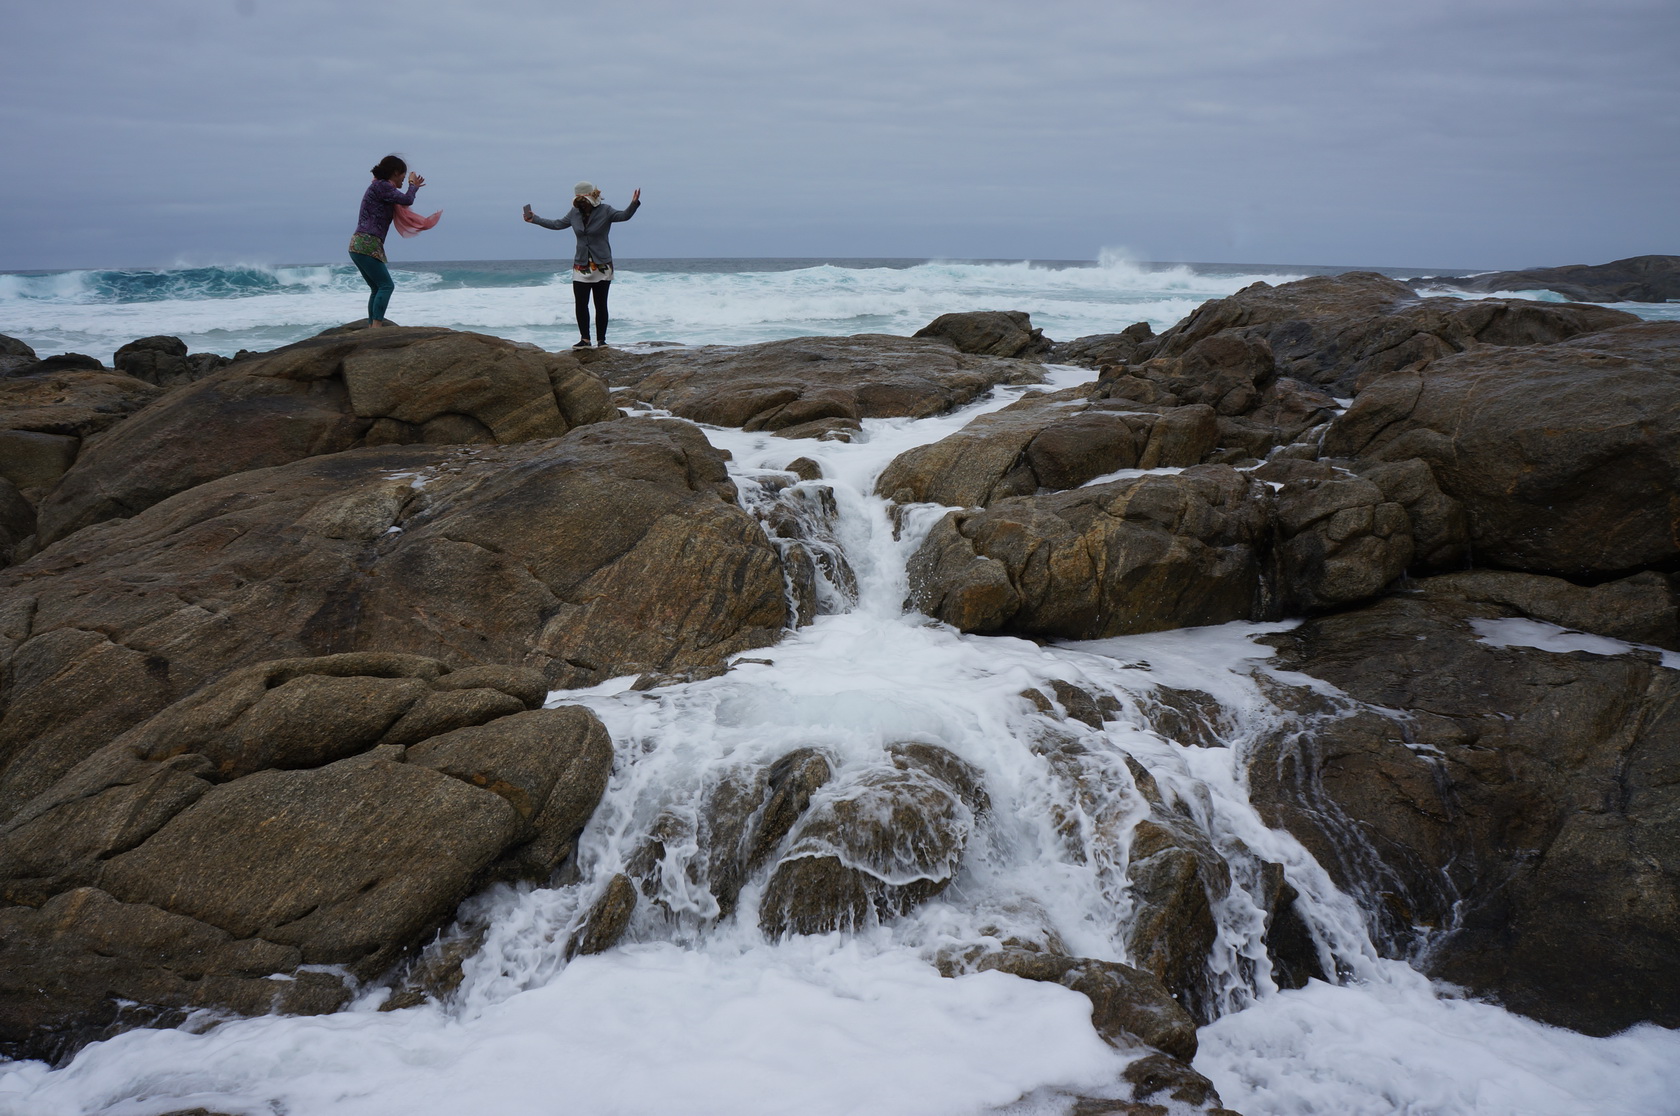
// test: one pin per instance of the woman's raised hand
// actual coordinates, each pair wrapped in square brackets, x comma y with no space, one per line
[637,196]
[415,180]
[529,216]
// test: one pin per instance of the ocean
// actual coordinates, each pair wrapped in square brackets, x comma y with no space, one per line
[696,1017]
[691,302]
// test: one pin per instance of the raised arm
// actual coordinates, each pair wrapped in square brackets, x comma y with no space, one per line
[564,222]
[630,211]
[387,192]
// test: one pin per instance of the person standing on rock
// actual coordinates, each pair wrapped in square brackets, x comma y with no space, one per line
[367,244]
[592,268]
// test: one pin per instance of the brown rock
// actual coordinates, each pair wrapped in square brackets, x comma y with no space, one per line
[1161,551]
[1639,609]
[876,844]
[15,355]
[164,361]
[438,971]
[1332,331]
[1127,1005]
[1285,410]
[351,857]
[1228,372]
[1096,350]
[805,468]
[1440,530]
[33,462]
[17,521]
[1636,279]
[63,362]
[1176,877]
[85,967]
[1157,1073]
[322,396]
[76,403]
[1513,826]
[989,459]
[615,550]
[963,469]
[551,765]
[803,521]
[607,919]
[1064,452]
[285,855]
[45,417]
[781,385]
[1003,333]
[1169,413]
[749,816]
[1566,457]
[1183,436]
[1341,539]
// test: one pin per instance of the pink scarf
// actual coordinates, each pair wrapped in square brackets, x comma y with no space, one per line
[408,224]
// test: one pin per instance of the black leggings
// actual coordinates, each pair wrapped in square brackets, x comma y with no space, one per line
[580,295]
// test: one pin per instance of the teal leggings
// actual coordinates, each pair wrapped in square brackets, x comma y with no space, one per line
[378,277]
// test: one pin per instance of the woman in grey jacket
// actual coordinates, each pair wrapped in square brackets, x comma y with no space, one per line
[592,268]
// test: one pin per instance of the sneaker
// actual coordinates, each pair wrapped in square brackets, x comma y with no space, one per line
[584,344]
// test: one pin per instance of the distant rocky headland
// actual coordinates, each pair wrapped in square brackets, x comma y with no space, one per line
[277,633]
[1635,279]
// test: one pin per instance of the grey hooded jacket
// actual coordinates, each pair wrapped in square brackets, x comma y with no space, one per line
[591,231]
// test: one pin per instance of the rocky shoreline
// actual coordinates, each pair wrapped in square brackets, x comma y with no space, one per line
[277,633]
[1635,279]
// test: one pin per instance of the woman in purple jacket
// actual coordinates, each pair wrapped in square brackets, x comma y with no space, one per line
[367,246]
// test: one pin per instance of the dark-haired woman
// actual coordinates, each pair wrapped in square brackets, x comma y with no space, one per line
[592,267]
[367,246]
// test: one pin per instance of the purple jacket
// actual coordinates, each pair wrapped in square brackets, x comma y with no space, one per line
[375,219]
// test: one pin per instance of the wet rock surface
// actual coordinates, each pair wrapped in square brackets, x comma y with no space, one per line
[46,417]
[1220,400]
[1176,877]
[1336,331]
[164,361]
[1566,457]
[17,522]
[1514,818]
[810,386]
[1128,1005]
[1156,552]
[607,919]
[1635,279]
[1098,349]
[1204,545]
[1053,442]
[1004,333]
[749,816]
[14,354]
[284,816]
[1639,609]
[876,843]
[614,550]
[395,386]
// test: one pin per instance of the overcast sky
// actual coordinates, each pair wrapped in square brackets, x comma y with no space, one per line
[1411,133]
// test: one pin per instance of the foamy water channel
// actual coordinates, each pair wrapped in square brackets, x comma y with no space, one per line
[694,1015]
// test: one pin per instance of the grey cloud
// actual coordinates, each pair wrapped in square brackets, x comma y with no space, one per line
[1483,133]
